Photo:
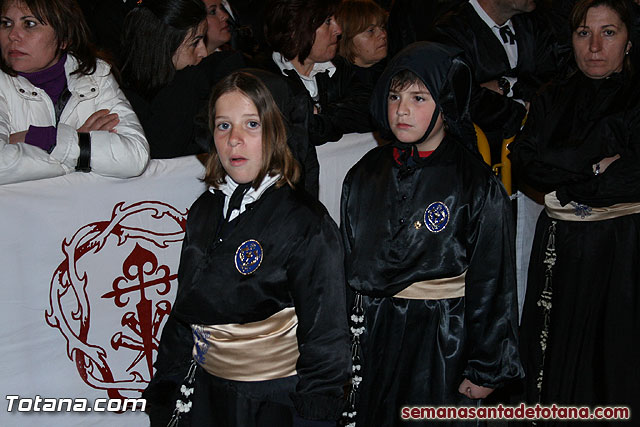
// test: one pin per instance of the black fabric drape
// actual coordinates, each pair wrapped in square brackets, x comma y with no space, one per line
[573,125]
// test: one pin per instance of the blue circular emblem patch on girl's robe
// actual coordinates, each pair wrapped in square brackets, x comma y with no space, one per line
[436,217]
[248,257]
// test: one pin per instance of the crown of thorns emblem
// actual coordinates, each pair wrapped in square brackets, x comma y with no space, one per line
[140,290]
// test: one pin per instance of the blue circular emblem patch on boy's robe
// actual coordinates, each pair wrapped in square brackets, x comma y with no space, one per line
[248,257]
[436,217]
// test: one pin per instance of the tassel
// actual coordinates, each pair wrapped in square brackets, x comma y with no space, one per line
[183,404]
[357,329]
[545,302]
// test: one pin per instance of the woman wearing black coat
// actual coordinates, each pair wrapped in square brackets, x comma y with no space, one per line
[168,75]
[304,38]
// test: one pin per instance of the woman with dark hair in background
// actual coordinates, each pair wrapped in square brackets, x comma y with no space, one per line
[60,107]
[168,85]
[364,38]
[581,146]
[304,38]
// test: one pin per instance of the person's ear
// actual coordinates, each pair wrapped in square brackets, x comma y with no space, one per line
[629,44]
[63,46]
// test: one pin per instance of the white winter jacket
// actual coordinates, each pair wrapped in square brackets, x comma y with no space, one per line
[122,154]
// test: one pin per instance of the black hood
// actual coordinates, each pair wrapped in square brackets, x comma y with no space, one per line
[447,78]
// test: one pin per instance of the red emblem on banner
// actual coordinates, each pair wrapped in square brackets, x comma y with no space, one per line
[111,295]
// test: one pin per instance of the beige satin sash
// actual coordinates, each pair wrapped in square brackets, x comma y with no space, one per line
[257,351]
[571,212]
[448,287]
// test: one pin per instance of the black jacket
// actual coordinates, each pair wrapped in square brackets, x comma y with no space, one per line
[296,110]
[343,102]
[168,116]
[574,124]
[483,52]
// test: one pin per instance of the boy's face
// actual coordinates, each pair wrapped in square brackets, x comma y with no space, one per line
[409,112]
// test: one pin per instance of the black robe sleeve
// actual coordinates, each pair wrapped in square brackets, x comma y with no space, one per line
[620,183]
[344,102]
[543,57]
[316,277]
[171,366]
[345,223]
[573,125]
[530,149]
[487,59]
[490,296]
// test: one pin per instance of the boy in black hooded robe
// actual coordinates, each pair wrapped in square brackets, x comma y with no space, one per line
[428,236]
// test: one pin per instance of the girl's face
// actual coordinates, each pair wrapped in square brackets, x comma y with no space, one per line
[238,136]
[219,32]
[27,44]
[192,49]
[370,46]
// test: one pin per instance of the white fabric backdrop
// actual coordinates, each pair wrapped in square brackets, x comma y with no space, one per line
[336,158]
[527,217]
[87,223]
[71,249]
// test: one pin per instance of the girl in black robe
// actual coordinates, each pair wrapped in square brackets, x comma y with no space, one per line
[442,223]
[258,329]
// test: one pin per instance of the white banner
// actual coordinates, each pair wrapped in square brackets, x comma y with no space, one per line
[88,276]
[88,270]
